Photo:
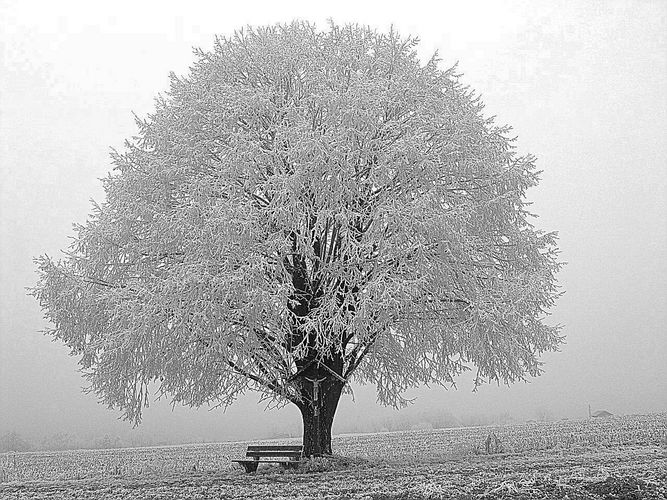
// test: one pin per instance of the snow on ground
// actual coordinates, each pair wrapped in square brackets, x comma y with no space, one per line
[624,457]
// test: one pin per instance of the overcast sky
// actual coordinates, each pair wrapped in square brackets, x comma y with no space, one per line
[582,83]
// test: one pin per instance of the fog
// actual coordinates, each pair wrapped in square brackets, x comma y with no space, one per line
[582,84]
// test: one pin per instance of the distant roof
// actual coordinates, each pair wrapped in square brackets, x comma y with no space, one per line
[602,413]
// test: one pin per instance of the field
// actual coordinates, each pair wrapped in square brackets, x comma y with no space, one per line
[618,457]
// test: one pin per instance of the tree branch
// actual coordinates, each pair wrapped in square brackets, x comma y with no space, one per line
[272,386]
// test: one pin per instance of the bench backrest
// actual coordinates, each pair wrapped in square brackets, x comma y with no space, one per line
[261,451]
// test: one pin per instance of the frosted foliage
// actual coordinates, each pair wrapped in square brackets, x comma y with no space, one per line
[306,196]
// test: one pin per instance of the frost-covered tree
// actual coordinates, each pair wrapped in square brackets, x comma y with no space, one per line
[307,208]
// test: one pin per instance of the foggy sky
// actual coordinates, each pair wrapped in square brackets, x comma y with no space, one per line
[582,84]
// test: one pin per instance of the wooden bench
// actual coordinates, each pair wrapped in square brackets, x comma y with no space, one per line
[257,454]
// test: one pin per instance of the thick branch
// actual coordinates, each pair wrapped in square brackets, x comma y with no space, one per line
[272,386]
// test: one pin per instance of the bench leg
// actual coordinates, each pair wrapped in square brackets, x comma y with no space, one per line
[250,466]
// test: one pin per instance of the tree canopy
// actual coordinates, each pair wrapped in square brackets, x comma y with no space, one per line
[307,204]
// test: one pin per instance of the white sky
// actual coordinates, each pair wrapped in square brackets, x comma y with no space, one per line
[582,83]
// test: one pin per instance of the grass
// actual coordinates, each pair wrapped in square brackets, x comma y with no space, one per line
[621,457]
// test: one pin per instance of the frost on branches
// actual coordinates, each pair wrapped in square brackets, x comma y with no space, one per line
[307,208]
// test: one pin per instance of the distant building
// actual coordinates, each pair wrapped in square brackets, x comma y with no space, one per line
[599,413]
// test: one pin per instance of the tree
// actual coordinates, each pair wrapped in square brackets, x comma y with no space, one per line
[304,209]
[13,441]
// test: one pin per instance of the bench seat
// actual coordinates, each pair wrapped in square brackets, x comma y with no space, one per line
[257,454]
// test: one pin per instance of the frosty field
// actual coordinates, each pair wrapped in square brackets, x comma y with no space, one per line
[586,459]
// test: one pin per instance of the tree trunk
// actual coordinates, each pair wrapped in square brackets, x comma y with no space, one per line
[320,400]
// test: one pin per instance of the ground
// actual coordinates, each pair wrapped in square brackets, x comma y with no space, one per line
[410,468]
